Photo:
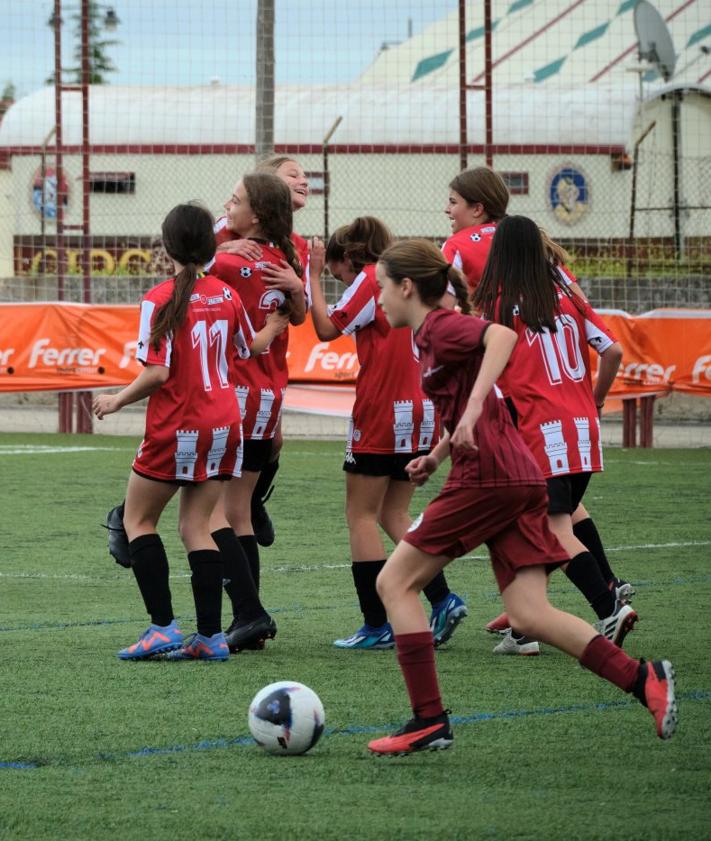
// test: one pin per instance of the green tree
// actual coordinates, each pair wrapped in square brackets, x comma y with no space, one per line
[99,62]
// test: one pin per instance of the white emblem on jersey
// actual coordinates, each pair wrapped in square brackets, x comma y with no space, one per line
[403,425]
[430,371]
[474,237]
[245,271]
[556,449]
[185,453]
[271,299]
[227,292]
[194,297]
[356,435]
[584,444]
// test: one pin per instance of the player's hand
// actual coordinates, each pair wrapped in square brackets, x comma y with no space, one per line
[277,322]
[282,277]
[421,468]
[105,404]
[246,248]
[317,257]
[463,435]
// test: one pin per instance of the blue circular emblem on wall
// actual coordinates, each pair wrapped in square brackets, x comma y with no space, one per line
[569,194]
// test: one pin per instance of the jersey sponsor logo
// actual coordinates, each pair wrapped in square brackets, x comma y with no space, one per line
[194,297]
[490,229]
[215,299]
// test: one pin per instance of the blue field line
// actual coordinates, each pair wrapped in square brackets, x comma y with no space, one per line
[357,730]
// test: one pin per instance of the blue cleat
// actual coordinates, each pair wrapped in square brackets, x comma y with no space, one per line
[200,647]
[369,637]
[446,615]
[158,639]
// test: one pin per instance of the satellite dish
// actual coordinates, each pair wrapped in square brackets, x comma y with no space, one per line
[654,41]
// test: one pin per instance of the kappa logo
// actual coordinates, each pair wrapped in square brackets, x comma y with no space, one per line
[349,458]
[245,271]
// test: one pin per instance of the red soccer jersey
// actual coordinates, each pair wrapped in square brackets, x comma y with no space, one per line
[451,350]
[548,379]
[260,381]
[193,420]
[468,250]
[390,413]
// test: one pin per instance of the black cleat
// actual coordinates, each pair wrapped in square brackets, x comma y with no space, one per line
[250,635]
[118,539]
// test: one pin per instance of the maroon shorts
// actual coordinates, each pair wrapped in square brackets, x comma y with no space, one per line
[512,521]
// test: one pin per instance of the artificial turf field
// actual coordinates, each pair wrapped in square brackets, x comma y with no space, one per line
[94,748]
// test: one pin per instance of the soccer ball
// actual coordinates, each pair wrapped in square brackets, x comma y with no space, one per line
[286,718]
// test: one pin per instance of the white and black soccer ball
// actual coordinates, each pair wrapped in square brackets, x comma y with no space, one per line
[245,271]
[286,718]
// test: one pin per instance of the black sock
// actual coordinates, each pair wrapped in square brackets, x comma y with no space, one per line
[251,550]
[584,572]
[238,581]
[206,580]
[437,589]
[364,575]
[266,477]
[588,535]
[150,566]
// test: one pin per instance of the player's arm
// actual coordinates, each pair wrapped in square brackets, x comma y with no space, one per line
[284,278]
[421,468]
[274,325]
[324,327]
[151,378]
[499,342]
[607,371]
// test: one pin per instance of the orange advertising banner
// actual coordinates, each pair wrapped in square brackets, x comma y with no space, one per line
[68,347]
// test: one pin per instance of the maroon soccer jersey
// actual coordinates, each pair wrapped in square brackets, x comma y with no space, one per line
[548,379]
[468,251]
[261,380]
[451,350]
[390,413]
[193,420]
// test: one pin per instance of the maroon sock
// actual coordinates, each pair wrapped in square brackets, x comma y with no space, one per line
[607,660]
[415,654]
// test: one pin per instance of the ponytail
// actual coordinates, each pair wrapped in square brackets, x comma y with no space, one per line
[425,265]
[362,242]
[172,314]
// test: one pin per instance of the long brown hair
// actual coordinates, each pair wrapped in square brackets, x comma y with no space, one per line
[520,275]
[270,200]
[362,242]
[189,238]
[425,265]
[273,163]
[554,250]
[482,185]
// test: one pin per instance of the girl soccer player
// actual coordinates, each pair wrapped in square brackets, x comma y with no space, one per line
[549,383]
[293,175]
[260,211]
[495,494]
[391,424]
[192,432]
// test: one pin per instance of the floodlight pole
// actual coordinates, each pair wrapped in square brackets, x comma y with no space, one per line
[264,116]
[487,87]
[327,177]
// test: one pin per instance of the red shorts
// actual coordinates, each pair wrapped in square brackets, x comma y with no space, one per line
[512,521]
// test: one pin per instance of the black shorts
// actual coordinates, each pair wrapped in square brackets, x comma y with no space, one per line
[381,464]
[257,453]
[566,492]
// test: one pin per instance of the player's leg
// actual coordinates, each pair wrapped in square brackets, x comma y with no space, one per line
[652,683]
[145,501]
[448,609]
[231,528]
[585,530]
[399,585]
[197,502]
[364,498]
[262,525]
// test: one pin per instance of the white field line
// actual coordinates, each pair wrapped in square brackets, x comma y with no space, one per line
[318,567]
[39,449]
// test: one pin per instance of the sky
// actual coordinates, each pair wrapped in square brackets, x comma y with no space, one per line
[194,42]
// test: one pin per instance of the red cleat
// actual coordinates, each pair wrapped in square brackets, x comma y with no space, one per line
[499,625]
[657,679]
[418,734]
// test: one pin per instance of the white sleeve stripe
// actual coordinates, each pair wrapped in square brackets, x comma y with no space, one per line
[349,293]
[457,261]
[144,330]
[362,319]
[596,338]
